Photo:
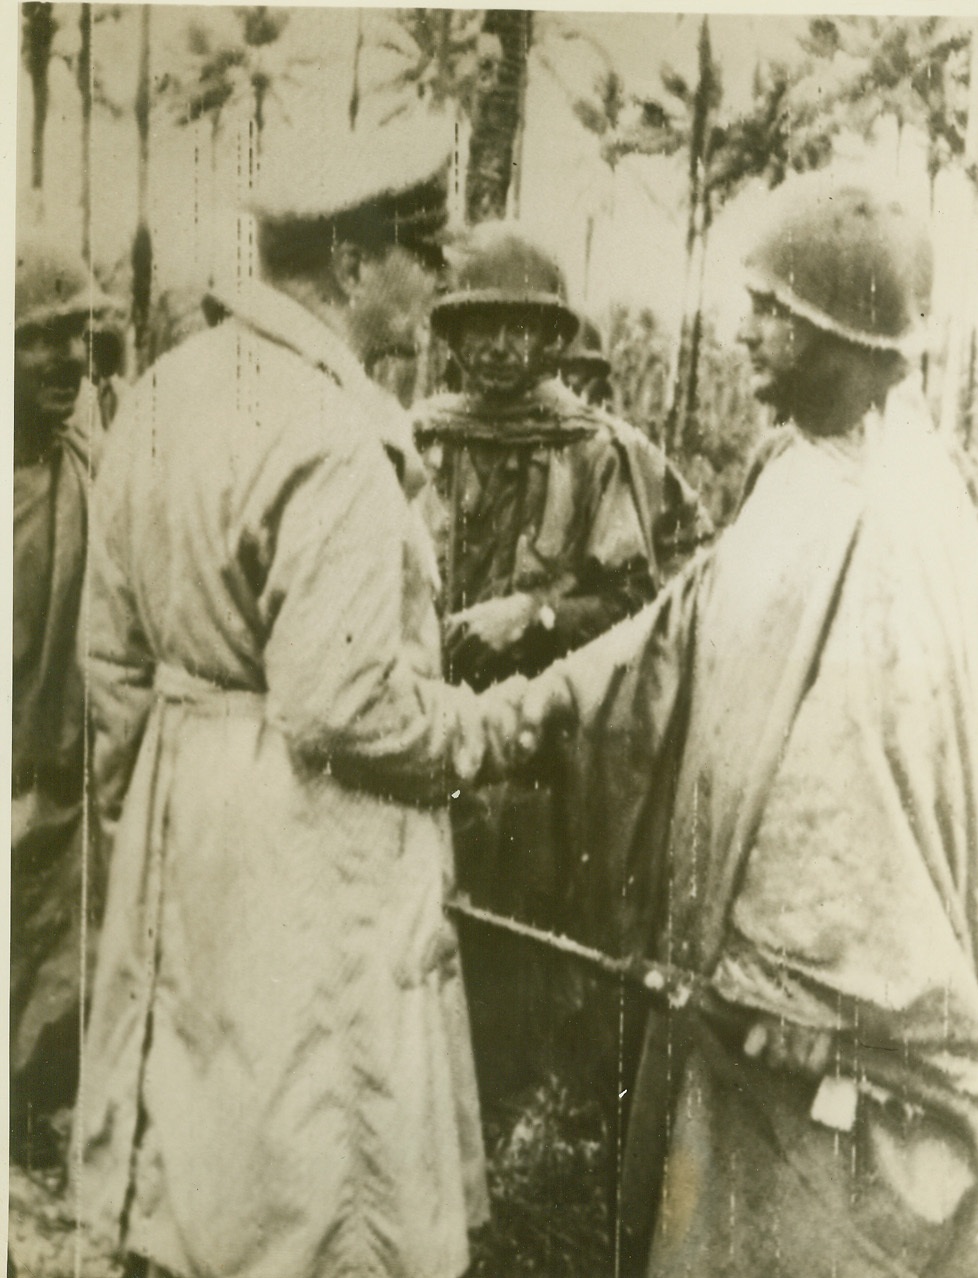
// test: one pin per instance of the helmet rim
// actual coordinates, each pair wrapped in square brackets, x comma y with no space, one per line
[450,305]
[910,341]
[98,306]
[850,258]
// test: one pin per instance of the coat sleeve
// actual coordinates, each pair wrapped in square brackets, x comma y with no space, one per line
[113,648]
[629,696]
[347,684]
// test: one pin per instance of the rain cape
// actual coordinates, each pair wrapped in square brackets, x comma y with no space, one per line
[777,779]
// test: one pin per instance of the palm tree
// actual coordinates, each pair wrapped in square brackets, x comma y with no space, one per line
[685,122]
[445,57]
[623,128]
[701,104]
[223,71]
[960,373]
[93,94]
[261,27]
[480,65]
[913,70]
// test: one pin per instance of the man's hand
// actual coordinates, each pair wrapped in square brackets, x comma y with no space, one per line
[515,722]
[546,706]
[495,623]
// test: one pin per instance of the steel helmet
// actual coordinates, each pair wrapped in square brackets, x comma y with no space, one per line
[51,282]
[850,261]
[586,351]
[496,265]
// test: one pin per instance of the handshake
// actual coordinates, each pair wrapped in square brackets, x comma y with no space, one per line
[512,723]
[548,705]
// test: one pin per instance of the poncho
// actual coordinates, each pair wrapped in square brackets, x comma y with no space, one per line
[778,779]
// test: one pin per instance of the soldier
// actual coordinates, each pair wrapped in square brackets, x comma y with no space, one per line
[547,517]
[683,523]
[586,369]
[59,312]
[279,1080]
[779,775]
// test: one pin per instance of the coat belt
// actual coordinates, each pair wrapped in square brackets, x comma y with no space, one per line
[177,685]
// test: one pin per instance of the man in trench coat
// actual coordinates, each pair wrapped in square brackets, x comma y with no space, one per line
[277,1077]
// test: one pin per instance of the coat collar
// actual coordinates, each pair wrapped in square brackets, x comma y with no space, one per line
[280,319]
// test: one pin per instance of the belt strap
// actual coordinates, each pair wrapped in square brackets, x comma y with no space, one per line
[176,684]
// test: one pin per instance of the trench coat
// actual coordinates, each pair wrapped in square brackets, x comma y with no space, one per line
[777,778]
[278,1078]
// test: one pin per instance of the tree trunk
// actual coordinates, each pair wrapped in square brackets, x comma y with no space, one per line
[683,401]
[39,29]
[493,146]
[958,381]
[142,245]
[353,107]
[85,88]
[588,247]
[260,87]
[516,186]
[682,396]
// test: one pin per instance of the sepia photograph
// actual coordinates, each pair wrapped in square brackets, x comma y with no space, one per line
[494,627]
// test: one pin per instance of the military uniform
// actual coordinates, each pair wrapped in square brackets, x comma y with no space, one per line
[540,496]
[50,532]
[543,495]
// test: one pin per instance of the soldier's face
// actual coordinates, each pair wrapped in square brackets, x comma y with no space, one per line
[49,361]
[503,352]
[778,344]
[586,383]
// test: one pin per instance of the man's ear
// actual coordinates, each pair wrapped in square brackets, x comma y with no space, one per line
[345,263]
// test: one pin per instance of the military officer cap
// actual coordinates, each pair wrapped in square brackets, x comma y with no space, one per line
[851,261]
[495,265]
[378,183]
